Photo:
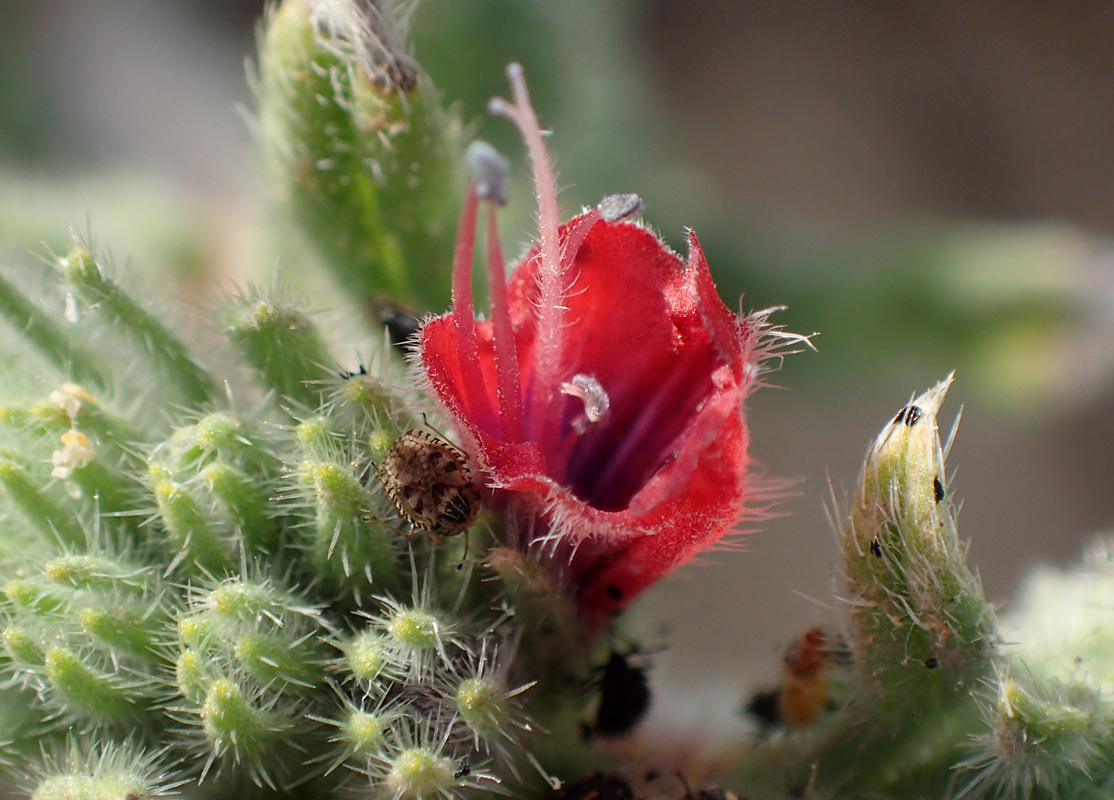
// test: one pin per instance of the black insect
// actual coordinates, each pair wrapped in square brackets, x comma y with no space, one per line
[875,548]
[597,787]
[765,706]
[348,374]
[463,769]
[400,323]
[931,663]
[937,489]
[624,696]
[909,415]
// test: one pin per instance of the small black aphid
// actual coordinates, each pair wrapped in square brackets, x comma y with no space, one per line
[463,769]
[937,489]
[909,415]
[624,696]
[597,787]
[348,374]
[875,548]
[931,663]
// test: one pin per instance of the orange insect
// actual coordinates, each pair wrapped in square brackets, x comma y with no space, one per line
[806,681]
[429,483]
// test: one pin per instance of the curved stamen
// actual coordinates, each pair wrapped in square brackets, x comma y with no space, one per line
[612,208]
[590,392]
[464,318]
[574,236]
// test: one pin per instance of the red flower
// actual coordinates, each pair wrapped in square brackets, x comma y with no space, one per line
[603,400]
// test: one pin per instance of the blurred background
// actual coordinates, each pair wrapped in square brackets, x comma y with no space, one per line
[926,186]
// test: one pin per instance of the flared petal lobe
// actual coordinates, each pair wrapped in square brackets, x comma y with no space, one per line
[623,495]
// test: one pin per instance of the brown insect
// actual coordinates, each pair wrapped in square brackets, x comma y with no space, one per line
[429,483]
[807,681]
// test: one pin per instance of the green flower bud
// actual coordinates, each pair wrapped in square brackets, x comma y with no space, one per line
[1050,738]
[190,529]
[47,512]
[415,629]
[245,502]
[481,705]
[131,631]
[238,725]
[362,733]
[350,547]
[419,772]
[21,647]
[914,601]
[166,354]
[366,655]
[283,346]
[35,598]
[357,143]
[101,572]
[86,690]
[190,676]
[219,432]
[106,771]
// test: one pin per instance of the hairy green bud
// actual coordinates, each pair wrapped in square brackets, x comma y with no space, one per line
[356,141]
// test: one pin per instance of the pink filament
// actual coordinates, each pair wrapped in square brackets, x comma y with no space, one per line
[463,312]
[547,357]
[506,358]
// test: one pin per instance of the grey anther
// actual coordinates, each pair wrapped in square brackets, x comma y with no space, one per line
[490,170]
[615,207]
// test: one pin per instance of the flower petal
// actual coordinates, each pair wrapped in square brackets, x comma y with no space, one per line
[657,477]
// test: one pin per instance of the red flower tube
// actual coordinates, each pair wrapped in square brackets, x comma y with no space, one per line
[602,401]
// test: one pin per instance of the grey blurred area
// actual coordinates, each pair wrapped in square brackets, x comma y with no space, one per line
[857,113]
[801,121]
[128,85]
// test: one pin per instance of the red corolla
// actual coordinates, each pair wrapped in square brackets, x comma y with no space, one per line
[602,401]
